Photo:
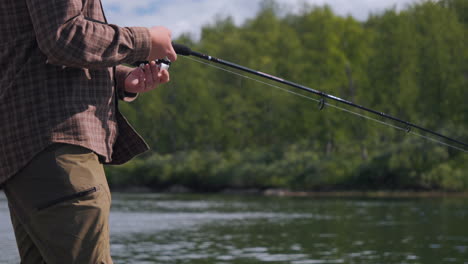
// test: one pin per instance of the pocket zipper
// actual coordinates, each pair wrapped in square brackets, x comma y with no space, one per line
[66,198]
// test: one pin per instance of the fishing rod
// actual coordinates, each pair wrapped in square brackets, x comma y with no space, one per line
[186,51]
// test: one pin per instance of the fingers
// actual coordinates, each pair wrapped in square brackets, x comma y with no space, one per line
[164,76]
[149,72]
[146,78]
[138,79]
[152,76]
[141,79]
[160,76]
[155,71]
[172,55]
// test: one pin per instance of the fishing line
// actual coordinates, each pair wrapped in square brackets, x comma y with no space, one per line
[328,104]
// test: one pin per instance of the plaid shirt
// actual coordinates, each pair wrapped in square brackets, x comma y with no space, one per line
[59,77]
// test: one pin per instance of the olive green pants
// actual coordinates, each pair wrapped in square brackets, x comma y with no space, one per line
[59,205]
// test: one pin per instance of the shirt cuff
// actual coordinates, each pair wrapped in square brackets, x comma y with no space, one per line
[141,42]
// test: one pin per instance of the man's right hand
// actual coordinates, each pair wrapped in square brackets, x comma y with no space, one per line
[161,44]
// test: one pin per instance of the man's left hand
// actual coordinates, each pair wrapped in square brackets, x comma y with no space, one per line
[146,79]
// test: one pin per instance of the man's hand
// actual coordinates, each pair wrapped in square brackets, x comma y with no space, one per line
[161,44]
[146,79]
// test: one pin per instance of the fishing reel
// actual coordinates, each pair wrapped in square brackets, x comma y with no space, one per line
[163,64]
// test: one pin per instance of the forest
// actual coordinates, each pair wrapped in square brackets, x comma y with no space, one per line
[212,130]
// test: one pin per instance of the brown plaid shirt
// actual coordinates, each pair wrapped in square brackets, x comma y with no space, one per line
[59,77]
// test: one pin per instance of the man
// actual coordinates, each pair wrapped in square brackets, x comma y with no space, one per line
[60,78]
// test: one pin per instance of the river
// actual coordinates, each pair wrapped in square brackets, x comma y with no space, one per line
[247,229]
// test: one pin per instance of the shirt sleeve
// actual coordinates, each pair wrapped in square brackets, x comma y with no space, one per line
[67,37]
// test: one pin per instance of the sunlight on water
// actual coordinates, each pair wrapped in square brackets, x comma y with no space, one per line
[228,229]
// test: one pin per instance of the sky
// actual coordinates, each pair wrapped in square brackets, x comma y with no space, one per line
[189,16]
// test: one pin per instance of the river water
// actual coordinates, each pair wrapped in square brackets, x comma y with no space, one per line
[244,229]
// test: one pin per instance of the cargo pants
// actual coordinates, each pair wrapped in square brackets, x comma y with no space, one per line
[59,206]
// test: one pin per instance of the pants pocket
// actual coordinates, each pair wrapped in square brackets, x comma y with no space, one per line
[74,228]
[67,198]
[62,200]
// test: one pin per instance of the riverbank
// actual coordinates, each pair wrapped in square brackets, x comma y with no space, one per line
[300,167]
[292,193]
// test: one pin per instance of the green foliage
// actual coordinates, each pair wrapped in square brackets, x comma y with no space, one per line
[295,166]
[212,129]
